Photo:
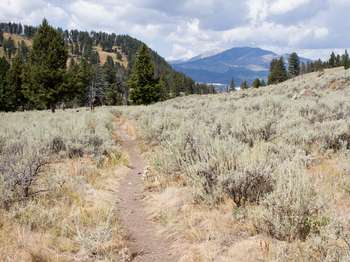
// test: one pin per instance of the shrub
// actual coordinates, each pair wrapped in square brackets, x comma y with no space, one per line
[252,132]
[75,151]
[247,185]
[20,167]
[57,145]
[293,210]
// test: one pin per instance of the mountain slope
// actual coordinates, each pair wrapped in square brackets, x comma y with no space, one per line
[240,63]
[96,47]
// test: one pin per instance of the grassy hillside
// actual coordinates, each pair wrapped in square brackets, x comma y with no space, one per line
[256,175]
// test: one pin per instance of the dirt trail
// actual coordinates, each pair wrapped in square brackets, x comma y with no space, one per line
[145,243]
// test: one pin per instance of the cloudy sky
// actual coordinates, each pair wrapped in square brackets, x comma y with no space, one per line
[184,28]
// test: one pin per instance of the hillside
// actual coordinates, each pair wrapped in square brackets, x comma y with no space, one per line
[96,47]
[240,63]
[255,175]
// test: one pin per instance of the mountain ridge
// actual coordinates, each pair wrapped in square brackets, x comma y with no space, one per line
[240,63]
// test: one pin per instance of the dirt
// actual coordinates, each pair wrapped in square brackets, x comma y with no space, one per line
[145,242]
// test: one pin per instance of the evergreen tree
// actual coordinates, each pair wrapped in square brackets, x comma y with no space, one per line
[262,82]
[346,60]
[278,72]
[16,99]
[244,85]
[144,89]
[338,60]
[256,83]
[76,81]
[332,60]
[23,51]
[44,74]
[293,65]
[232,86]
[1,38]
[5,93]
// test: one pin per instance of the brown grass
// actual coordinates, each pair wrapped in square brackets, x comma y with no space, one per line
[75,221]
[103,56]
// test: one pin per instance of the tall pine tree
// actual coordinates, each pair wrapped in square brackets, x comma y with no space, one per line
[144,88]
[332,60]
[293,65]
[256,83]
[346,60]
[5,93]
[244,85]
[14,84]
[44,74]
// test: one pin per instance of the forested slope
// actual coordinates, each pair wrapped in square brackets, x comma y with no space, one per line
[111,56]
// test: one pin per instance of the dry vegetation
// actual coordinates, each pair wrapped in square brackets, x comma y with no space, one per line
[120,59]
[256,175]
[57,187]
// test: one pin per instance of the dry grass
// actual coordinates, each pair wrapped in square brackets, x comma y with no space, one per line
[70,213]
[256,175]
[103,56]
[17,39]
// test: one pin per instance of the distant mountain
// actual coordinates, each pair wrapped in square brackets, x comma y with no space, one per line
[240,63]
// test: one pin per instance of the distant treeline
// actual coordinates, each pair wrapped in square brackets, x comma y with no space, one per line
[83,78]
[278,71]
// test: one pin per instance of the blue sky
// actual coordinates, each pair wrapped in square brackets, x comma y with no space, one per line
[186,28]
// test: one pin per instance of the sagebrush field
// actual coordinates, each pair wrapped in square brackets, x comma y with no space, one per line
[271,165]
[255,175]
[58,175]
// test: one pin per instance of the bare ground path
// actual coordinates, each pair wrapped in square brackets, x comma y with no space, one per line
[145,243]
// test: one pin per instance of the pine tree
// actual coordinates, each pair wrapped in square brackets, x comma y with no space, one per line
[346,60]
[338,60]
[332,60]
[5,93]
[1,38]
[256,83]
[144,89]
[293,65]
[76,81]
[262,82]
[23,51]
[232,86]
[14,84]
[44,74]
[278,72]
[244,85]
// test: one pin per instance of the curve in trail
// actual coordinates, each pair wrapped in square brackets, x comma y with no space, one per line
[145,243]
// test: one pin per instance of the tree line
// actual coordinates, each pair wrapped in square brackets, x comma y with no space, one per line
[279,72]
[48,74]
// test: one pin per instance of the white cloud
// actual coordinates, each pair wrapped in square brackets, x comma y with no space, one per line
[283,6]
[185,28]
